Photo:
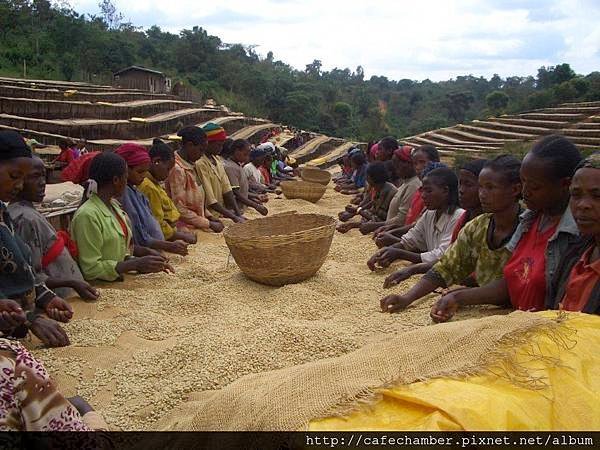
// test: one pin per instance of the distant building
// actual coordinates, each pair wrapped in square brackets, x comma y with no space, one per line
[136,77]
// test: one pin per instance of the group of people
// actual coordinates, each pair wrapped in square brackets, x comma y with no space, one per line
[507,232]
[138,205]
[504,232]
[69,151]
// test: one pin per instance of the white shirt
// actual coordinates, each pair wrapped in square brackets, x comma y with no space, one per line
[430,236]
[253,174]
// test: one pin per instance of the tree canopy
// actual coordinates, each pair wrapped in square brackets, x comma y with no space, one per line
[56,42]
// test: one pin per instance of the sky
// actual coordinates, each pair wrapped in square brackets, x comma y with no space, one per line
[398,39]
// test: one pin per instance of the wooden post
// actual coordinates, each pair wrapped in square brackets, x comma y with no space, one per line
[24,69]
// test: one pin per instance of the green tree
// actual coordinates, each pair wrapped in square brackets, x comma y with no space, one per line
[497,101]
[342,113]
[111,16]
[457,104]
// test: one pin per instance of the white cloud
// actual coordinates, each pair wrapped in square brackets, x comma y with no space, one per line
[398,39]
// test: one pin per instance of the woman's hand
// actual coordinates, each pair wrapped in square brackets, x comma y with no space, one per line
[59,310]
[190,238]
[445,308]
[394,303]
[345,216]
[11,315]
[178,247]
[85,290]
[217,226]
[140,252]
[49,332]
[384,257]
[398,277]
[386,239]
[262,210]
[152,264]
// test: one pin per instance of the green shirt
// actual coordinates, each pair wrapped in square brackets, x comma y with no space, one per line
[101,242]
[471,253]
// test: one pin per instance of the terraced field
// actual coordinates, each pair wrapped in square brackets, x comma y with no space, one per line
[107,117]
[580,122]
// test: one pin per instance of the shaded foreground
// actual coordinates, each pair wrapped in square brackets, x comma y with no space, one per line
[151,340]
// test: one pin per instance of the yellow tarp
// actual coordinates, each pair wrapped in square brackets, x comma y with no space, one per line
[490,402]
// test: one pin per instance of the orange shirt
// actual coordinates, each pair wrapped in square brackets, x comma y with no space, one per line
[187,193]
[582,280]
[525,271]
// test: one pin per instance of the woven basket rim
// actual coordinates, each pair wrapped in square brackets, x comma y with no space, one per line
[301,182]
[257,239]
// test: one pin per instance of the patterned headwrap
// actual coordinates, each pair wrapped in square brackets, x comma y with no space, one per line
[133,154]
[214,132]
[591,162]
[257,153]
[431,166]
[12,145]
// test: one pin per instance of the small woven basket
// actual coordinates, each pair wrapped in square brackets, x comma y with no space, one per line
[281,249]
[314,175]
[313,192]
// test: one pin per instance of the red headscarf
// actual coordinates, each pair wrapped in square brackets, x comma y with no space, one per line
[403,153]
[78,170]
[374,150]
[133,154]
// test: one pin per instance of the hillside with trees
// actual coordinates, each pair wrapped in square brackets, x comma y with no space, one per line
[50,40]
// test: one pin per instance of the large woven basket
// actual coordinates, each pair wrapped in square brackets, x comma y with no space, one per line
[314,175]
[281,249]
[304,190]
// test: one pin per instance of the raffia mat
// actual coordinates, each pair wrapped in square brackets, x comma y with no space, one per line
[288,399]
[148,342]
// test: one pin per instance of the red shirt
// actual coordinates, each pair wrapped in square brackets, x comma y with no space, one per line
[462,220]
[525,271]
[582,280]
[66,156]
[416,208]
[265,173]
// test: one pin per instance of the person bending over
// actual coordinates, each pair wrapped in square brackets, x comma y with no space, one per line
[480,248]
[26,304]
[428,240]
[545,233]
[382,192]
[209,168]
[233,164]
[425,159]
[162,207]
[184,186]
[102,230]
[52,253]
[358,178]
[146,229]
[400,204]
[468,199]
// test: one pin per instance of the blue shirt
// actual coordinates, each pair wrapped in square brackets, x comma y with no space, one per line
[359,177]
[146,228]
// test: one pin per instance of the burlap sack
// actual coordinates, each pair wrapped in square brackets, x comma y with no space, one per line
[288,399]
